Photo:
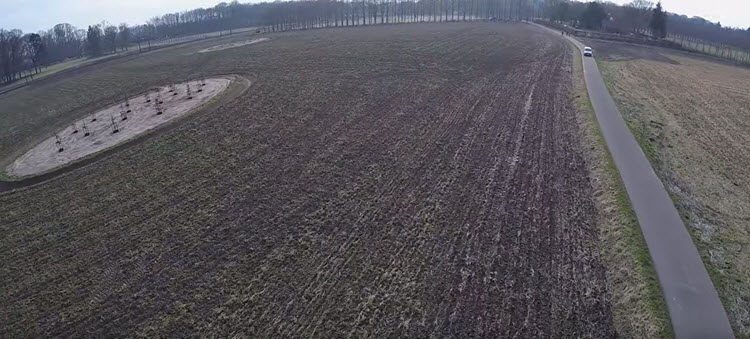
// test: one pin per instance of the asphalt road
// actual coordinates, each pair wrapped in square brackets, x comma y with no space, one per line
[694,306]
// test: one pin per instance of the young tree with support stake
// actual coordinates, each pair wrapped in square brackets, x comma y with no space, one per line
[58,143]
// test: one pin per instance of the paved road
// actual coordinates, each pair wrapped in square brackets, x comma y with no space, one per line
[694,305]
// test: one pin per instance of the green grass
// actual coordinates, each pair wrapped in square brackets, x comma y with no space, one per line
[638,129]
[4,176]
[61,66]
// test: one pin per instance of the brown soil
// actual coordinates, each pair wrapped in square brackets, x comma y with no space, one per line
[143,117]
[232,45]
[439,192]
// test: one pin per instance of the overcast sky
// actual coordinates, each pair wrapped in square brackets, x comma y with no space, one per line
[734,13]
[34,15]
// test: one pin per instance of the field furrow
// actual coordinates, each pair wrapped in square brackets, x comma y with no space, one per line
[395,181]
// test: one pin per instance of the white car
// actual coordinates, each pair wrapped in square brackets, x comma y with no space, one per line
[588,52]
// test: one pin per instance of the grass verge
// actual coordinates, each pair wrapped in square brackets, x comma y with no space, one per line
[689,114]
[637,302]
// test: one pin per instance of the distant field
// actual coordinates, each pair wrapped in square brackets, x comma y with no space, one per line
[71,63]
[733,54]
[426,180]
[54,68]
[692,117]
[61,66]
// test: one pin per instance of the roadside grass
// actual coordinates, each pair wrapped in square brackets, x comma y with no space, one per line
[638,128]
[689,117]
[638,305]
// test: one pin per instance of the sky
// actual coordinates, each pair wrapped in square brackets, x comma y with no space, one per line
[35,15]
[735,13]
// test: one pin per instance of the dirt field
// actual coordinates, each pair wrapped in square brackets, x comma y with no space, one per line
[394,181]
[692,116]
[96,132]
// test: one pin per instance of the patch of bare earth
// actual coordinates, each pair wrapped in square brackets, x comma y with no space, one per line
[232,45]
[116,124]
[692,117]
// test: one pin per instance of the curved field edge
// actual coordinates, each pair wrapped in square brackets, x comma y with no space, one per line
[638,305]
[74,104]
[238,85]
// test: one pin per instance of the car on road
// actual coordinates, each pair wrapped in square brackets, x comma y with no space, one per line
[587,51]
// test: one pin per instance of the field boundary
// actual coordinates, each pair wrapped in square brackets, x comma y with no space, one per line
[638,305]
[238,86]
[694,305]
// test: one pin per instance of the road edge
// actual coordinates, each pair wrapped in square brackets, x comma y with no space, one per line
[638,306]
[694,306]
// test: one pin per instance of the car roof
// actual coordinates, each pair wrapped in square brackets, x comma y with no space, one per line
[587,47]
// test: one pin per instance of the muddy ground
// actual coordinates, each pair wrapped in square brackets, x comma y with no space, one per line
[691,114]
[395,181]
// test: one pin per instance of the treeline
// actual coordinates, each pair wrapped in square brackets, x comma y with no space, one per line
[636,18]
[26,53]
[331,13]
[224,16]
[12,54]
[697,28]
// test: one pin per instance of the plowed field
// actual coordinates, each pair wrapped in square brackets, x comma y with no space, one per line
[397,181]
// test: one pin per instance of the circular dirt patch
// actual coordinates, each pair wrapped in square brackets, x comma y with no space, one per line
[232,45]
[115,125]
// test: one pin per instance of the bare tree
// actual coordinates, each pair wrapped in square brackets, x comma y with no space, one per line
[124,36]
[25,54]
[110,38]
[636,14]
[94,40]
